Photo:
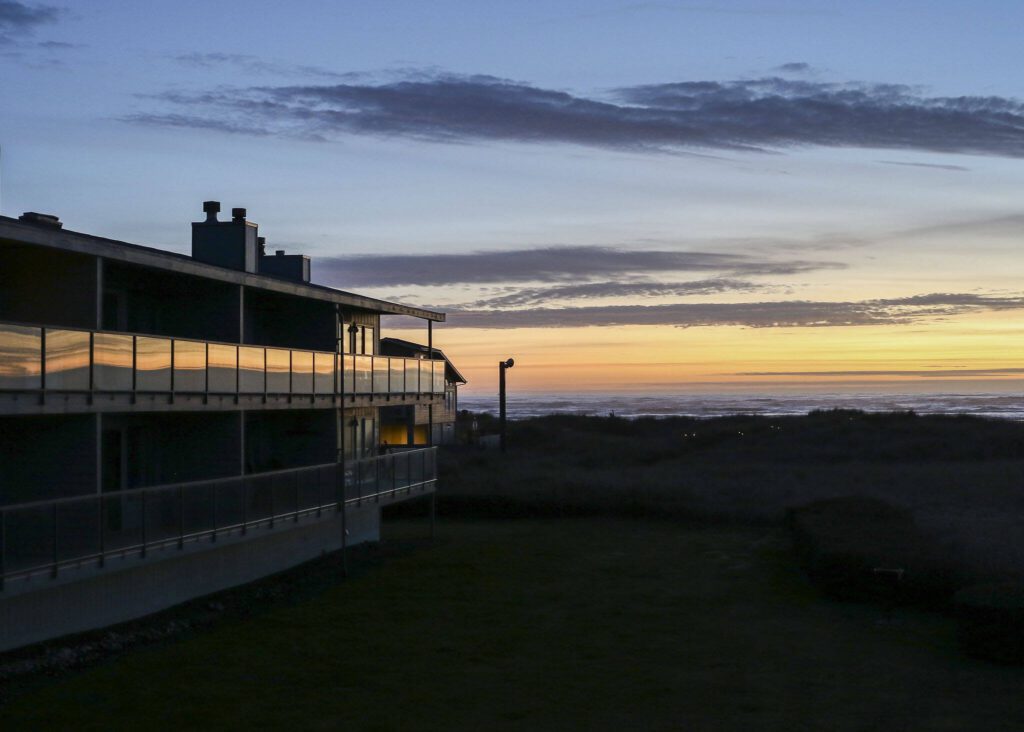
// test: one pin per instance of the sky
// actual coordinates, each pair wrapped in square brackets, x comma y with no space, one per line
[652,196]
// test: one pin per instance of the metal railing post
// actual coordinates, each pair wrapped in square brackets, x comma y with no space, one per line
[181,516]
[55,547]
[245,505]
[296,497]
[3,549]
[102,532]
[143,497]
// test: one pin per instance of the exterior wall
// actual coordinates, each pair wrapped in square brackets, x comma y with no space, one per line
[43,286]
[115,595]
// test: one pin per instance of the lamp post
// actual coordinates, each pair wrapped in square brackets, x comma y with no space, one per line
[502,367]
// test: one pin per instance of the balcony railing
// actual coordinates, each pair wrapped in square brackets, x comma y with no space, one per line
[45,537]
[64,360]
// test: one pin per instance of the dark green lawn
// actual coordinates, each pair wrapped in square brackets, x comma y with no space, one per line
[553,624]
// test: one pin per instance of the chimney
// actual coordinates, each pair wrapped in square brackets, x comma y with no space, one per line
[293,267]
[232,244]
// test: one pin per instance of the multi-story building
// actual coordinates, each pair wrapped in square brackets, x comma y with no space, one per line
[421,424]
[174,425]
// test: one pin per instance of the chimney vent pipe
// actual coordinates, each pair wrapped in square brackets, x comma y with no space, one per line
[238,214]
[211,209]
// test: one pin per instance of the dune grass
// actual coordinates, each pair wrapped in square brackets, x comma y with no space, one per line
[553,624]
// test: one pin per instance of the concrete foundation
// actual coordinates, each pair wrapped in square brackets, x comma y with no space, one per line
[95,597]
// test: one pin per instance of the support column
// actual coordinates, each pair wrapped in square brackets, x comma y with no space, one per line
[430,406]
[241,313]
[99,294]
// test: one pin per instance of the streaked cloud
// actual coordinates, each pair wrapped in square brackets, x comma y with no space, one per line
[258,65]
[533,296]
[549,264]
[776,314]
[753,114]
[932,373]
[937,166]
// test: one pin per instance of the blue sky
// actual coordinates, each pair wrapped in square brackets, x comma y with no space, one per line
[586,131]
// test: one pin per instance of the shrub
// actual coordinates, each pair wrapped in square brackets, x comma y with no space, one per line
[990,621]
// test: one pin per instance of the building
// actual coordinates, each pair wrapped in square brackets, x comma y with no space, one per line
[421,424]
[172,425]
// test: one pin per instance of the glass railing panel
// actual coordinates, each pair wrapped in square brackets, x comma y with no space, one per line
[302,372]
[439,377]
[189,366]
[412,375]
[397,375]
[67,360]
[163,515]
[363,374]
[348,374]
[28,535]
[21,357]
[323,373]
[112,361]
[78,529]
[122,521]
[222,368]
[250,370]
[152,364]
[424,368]
[278,371]
[380,375]
[197,508]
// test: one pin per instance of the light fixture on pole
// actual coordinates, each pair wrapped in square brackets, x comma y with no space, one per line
[502,367]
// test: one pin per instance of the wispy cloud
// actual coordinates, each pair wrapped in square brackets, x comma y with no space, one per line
[19,19]
[931,373]
[259,66]
[753,114]
[533,296]
[794,67]
[778,314]
[549,264]
[936,166]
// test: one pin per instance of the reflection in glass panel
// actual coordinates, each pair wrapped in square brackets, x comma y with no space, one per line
[412,375]
[323,366]
[189,366]
[348,374]
[221,369]
[380,375]
[278,371]
[152,364]
[363,374]
[67,360]
[438,377]
[368,342]
[112,362]
[302,372]
[250,370]
[397,375]
[20,357]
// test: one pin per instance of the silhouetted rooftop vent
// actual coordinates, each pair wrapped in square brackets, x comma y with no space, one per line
[31,217]
[287,266]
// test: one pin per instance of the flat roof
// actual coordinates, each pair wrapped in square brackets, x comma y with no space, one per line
[73,241]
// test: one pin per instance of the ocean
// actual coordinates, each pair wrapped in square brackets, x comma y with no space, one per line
[521,405]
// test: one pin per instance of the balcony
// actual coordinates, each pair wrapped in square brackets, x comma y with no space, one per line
[118,369]
[46,540]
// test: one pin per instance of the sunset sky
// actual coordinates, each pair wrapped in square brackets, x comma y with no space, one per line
[649,195]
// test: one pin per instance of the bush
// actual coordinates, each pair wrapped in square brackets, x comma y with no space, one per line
[859,548]
[990,621]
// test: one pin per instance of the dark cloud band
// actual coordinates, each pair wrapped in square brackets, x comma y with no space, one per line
[754,114]
[549,264]
[783,314]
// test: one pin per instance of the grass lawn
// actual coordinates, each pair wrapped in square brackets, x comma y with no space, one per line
[553,624]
